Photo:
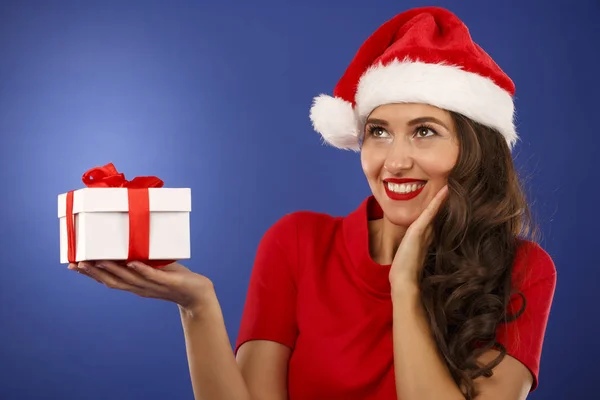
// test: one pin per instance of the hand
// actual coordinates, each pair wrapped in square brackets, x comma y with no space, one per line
[174,282]
[410,256]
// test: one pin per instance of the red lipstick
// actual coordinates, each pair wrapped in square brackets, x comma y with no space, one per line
[402,196]
[403,180]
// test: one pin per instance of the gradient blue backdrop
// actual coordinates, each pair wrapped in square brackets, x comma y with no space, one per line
[215,96]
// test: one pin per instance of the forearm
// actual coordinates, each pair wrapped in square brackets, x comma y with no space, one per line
[420,371]
[213,368]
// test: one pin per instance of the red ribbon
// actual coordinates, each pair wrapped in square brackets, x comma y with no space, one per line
[139,211]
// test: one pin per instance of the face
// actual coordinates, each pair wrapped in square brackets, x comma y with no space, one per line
[407,154]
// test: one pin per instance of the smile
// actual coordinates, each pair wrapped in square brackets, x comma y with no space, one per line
[403,191]
[404,187]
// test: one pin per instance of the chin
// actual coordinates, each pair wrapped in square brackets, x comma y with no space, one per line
[399,214]
[400,219]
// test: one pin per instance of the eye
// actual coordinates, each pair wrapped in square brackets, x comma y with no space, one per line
[377,131]
[425,131]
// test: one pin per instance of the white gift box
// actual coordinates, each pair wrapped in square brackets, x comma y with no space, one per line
[101,224]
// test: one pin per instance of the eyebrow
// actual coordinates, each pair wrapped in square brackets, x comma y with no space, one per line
[412,122]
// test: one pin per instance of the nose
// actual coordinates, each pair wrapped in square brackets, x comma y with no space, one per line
[399,157]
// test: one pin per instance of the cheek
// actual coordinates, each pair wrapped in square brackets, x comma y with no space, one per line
[439,165]
[372,162]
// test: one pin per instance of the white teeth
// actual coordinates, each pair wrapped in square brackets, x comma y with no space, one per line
[405,188]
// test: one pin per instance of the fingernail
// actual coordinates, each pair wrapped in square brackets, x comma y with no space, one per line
[100,265]
[131,265]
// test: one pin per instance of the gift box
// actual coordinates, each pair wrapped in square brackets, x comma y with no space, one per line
[116,219]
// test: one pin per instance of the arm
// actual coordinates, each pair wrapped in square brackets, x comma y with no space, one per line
[421,373]
[261,371]
[264,366]
[213,369]
[419,370]
[267,330]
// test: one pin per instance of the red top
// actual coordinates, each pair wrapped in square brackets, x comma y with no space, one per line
[315,289]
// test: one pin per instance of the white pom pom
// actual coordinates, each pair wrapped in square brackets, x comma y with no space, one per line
[335,120]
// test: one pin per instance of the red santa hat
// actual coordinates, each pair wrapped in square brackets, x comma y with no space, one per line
[425,55]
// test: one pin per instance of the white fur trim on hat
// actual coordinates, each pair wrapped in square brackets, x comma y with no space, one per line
[445,86]
[336,121]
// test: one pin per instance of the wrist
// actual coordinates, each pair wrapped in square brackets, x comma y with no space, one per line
[405,288]
[201,305]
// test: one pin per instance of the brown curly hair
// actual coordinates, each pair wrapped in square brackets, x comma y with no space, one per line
[466,283]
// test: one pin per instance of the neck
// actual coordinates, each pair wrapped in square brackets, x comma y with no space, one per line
[384,239]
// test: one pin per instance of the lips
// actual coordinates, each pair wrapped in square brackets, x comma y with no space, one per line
[404,180]
[403,189]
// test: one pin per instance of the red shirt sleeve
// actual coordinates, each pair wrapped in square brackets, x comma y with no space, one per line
[270,308]
[534,274]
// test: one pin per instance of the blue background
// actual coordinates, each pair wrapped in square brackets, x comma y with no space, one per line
[215,96]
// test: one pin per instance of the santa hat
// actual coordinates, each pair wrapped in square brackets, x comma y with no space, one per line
[425,55]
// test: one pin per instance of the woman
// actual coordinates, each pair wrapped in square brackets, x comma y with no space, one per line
[430,289]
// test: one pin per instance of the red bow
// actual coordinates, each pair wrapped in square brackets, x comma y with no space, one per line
[139,210]
[108,176]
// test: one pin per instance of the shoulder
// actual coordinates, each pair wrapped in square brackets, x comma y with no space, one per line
[292,238]
[532,264]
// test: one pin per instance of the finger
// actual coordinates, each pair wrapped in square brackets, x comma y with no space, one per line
[84,268]
[430,211]
[108,279]
[82,272]
[153,275]
[174,267]
[81,267]
[128,275]
[89,268]
[111,281]
[437,201]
